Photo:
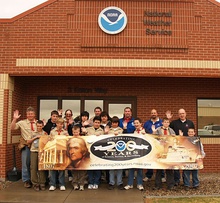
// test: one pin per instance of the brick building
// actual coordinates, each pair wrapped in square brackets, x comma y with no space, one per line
[167,57]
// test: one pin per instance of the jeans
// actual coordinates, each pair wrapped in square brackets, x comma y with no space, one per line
[150,173]
[139,176]
[186,178]
[25,162]
[177,176]
[94,177]
[112,177]
[53,178]
[169,178]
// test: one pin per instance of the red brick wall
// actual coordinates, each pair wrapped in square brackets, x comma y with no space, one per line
[69,29]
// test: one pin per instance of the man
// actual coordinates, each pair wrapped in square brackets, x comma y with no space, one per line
[97,112]
[150,127]
[153,123]
[51,123]
[180,127]
[127,122]
[27,128]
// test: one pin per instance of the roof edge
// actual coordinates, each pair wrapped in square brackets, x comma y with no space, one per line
[25,13]
[214,2]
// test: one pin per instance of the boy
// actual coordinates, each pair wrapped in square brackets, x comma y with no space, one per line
[38,178]
[57,131]
[115,130]
[163,131]
[94,175]
[139,130]
[186,173]
[78,153]
[83,122]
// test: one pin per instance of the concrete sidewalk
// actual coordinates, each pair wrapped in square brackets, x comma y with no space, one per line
[17,193]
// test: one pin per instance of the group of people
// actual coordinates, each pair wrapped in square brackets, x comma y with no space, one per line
[101,123]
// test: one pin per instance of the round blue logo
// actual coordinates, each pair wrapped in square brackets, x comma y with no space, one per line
[112,20]
[120,145]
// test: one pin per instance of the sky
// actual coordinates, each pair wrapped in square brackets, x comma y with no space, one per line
[11,8]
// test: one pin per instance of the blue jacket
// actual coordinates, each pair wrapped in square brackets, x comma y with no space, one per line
[148,124]
[130,125]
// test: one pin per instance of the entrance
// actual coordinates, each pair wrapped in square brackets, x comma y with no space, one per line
[113,105]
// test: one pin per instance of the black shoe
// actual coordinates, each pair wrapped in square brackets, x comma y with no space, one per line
[196,187]
[156,188]
[111,187]
[176,184]
[121,187]
[186,188]
[172,188]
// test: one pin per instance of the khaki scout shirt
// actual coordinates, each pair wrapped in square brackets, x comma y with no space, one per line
[117,130]
[93,131]
[54,133]
[35,143]
[25,127]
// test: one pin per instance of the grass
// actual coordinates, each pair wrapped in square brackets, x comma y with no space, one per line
[184,200]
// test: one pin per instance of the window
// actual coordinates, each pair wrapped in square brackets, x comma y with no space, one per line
[46,106]
[113,105]
[208,117]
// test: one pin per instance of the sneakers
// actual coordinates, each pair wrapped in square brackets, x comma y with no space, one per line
[75,186]
[62,188]
[146,179]
[95,187]
[127,187]
[81,187]
[140,187]
[52,188]
[70,178]
[90,186]
[163,180]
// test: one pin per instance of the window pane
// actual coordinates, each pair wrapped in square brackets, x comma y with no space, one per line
[208,117]
[46,106]
[74,105]
[117,109]
[91,104]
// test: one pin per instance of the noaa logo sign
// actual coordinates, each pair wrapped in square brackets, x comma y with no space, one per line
[120,148]
[112,20]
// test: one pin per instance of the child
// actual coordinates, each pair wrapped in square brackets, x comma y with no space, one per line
[138,131]
[94,175]
[38,178]
[105,121]
[186,173]
[115,130]
[164,130]
[79,176]
[83,122]
[57,131]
